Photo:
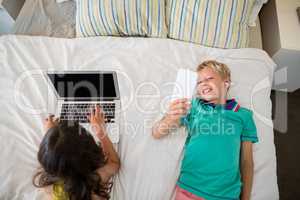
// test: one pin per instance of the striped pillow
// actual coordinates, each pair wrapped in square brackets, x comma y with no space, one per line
[214,23]
[120,18]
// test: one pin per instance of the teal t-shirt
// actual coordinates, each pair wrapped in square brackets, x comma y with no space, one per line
[210,167]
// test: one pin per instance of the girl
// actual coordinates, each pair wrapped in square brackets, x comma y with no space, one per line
[73,164]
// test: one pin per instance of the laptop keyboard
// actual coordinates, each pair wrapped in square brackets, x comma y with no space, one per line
[79,112]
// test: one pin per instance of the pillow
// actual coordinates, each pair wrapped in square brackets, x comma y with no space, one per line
[46,18]
[217,23]
[61,1]
[120,18]
[255,11]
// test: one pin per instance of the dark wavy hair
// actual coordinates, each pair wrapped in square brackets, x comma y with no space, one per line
[69,153]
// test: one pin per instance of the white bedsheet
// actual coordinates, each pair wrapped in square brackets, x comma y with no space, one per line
[146,69]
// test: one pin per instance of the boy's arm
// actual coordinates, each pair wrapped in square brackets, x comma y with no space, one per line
[171,120]
[162,128]
[247,166]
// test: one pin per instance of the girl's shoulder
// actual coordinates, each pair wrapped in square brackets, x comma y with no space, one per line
[48,192]
[58,191]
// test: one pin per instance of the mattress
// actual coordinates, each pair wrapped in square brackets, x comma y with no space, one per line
[146,71]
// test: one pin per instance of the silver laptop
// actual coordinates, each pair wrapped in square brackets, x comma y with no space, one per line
[79,91]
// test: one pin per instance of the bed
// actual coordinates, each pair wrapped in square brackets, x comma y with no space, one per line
[149,167]
[147,69]
[49,18]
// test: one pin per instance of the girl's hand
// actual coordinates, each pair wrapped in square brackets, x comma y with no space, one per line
[97,120]
[50,122]
[177,109]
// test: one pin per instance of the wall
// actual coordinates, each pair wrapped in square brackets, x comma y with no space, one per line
[289,24]
[6,22]
[13,7]
[281,39]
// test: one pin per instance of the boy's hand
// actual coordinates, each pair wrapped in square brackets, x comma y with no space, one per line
[50,122]
[177,109]
[97,120]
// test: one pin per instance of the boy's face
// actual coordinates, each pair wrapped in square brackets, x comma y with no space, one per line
[211,87]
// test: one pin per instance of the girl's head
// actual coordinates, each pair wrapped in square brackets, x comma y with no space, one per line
[213,81]
[68,153]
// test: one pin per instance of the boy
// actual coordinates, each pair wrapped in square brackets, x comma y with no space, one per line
[219,142]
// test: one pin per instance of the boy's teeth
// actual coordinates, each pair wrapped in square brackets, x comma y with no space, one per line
[206,91]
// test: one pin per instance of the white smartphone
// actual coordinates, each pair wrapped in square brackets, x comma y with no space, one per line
[185,84]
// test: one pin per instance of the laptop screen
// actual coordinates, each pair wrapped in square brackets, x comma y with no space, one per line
[85,86]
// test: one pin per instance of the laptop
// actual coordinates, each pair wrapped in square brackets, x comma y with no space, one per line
[79,91]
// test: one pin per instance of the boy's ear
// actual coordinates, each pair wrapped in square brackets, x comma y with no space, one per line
[227,84]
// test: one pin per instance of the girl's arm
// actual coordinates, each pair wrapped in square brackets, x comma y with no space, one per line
[171,120]
[113,161]
[50,122]
[247,166]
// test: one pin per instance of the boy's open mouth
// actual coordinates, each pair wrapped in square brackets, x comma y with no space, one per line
[206,90]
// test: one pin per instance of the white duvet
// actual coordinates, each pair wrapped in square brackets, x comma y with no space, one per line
[146,69]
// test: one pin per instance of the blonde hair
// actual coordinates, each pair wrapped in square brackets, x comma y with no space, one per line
[220,68]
